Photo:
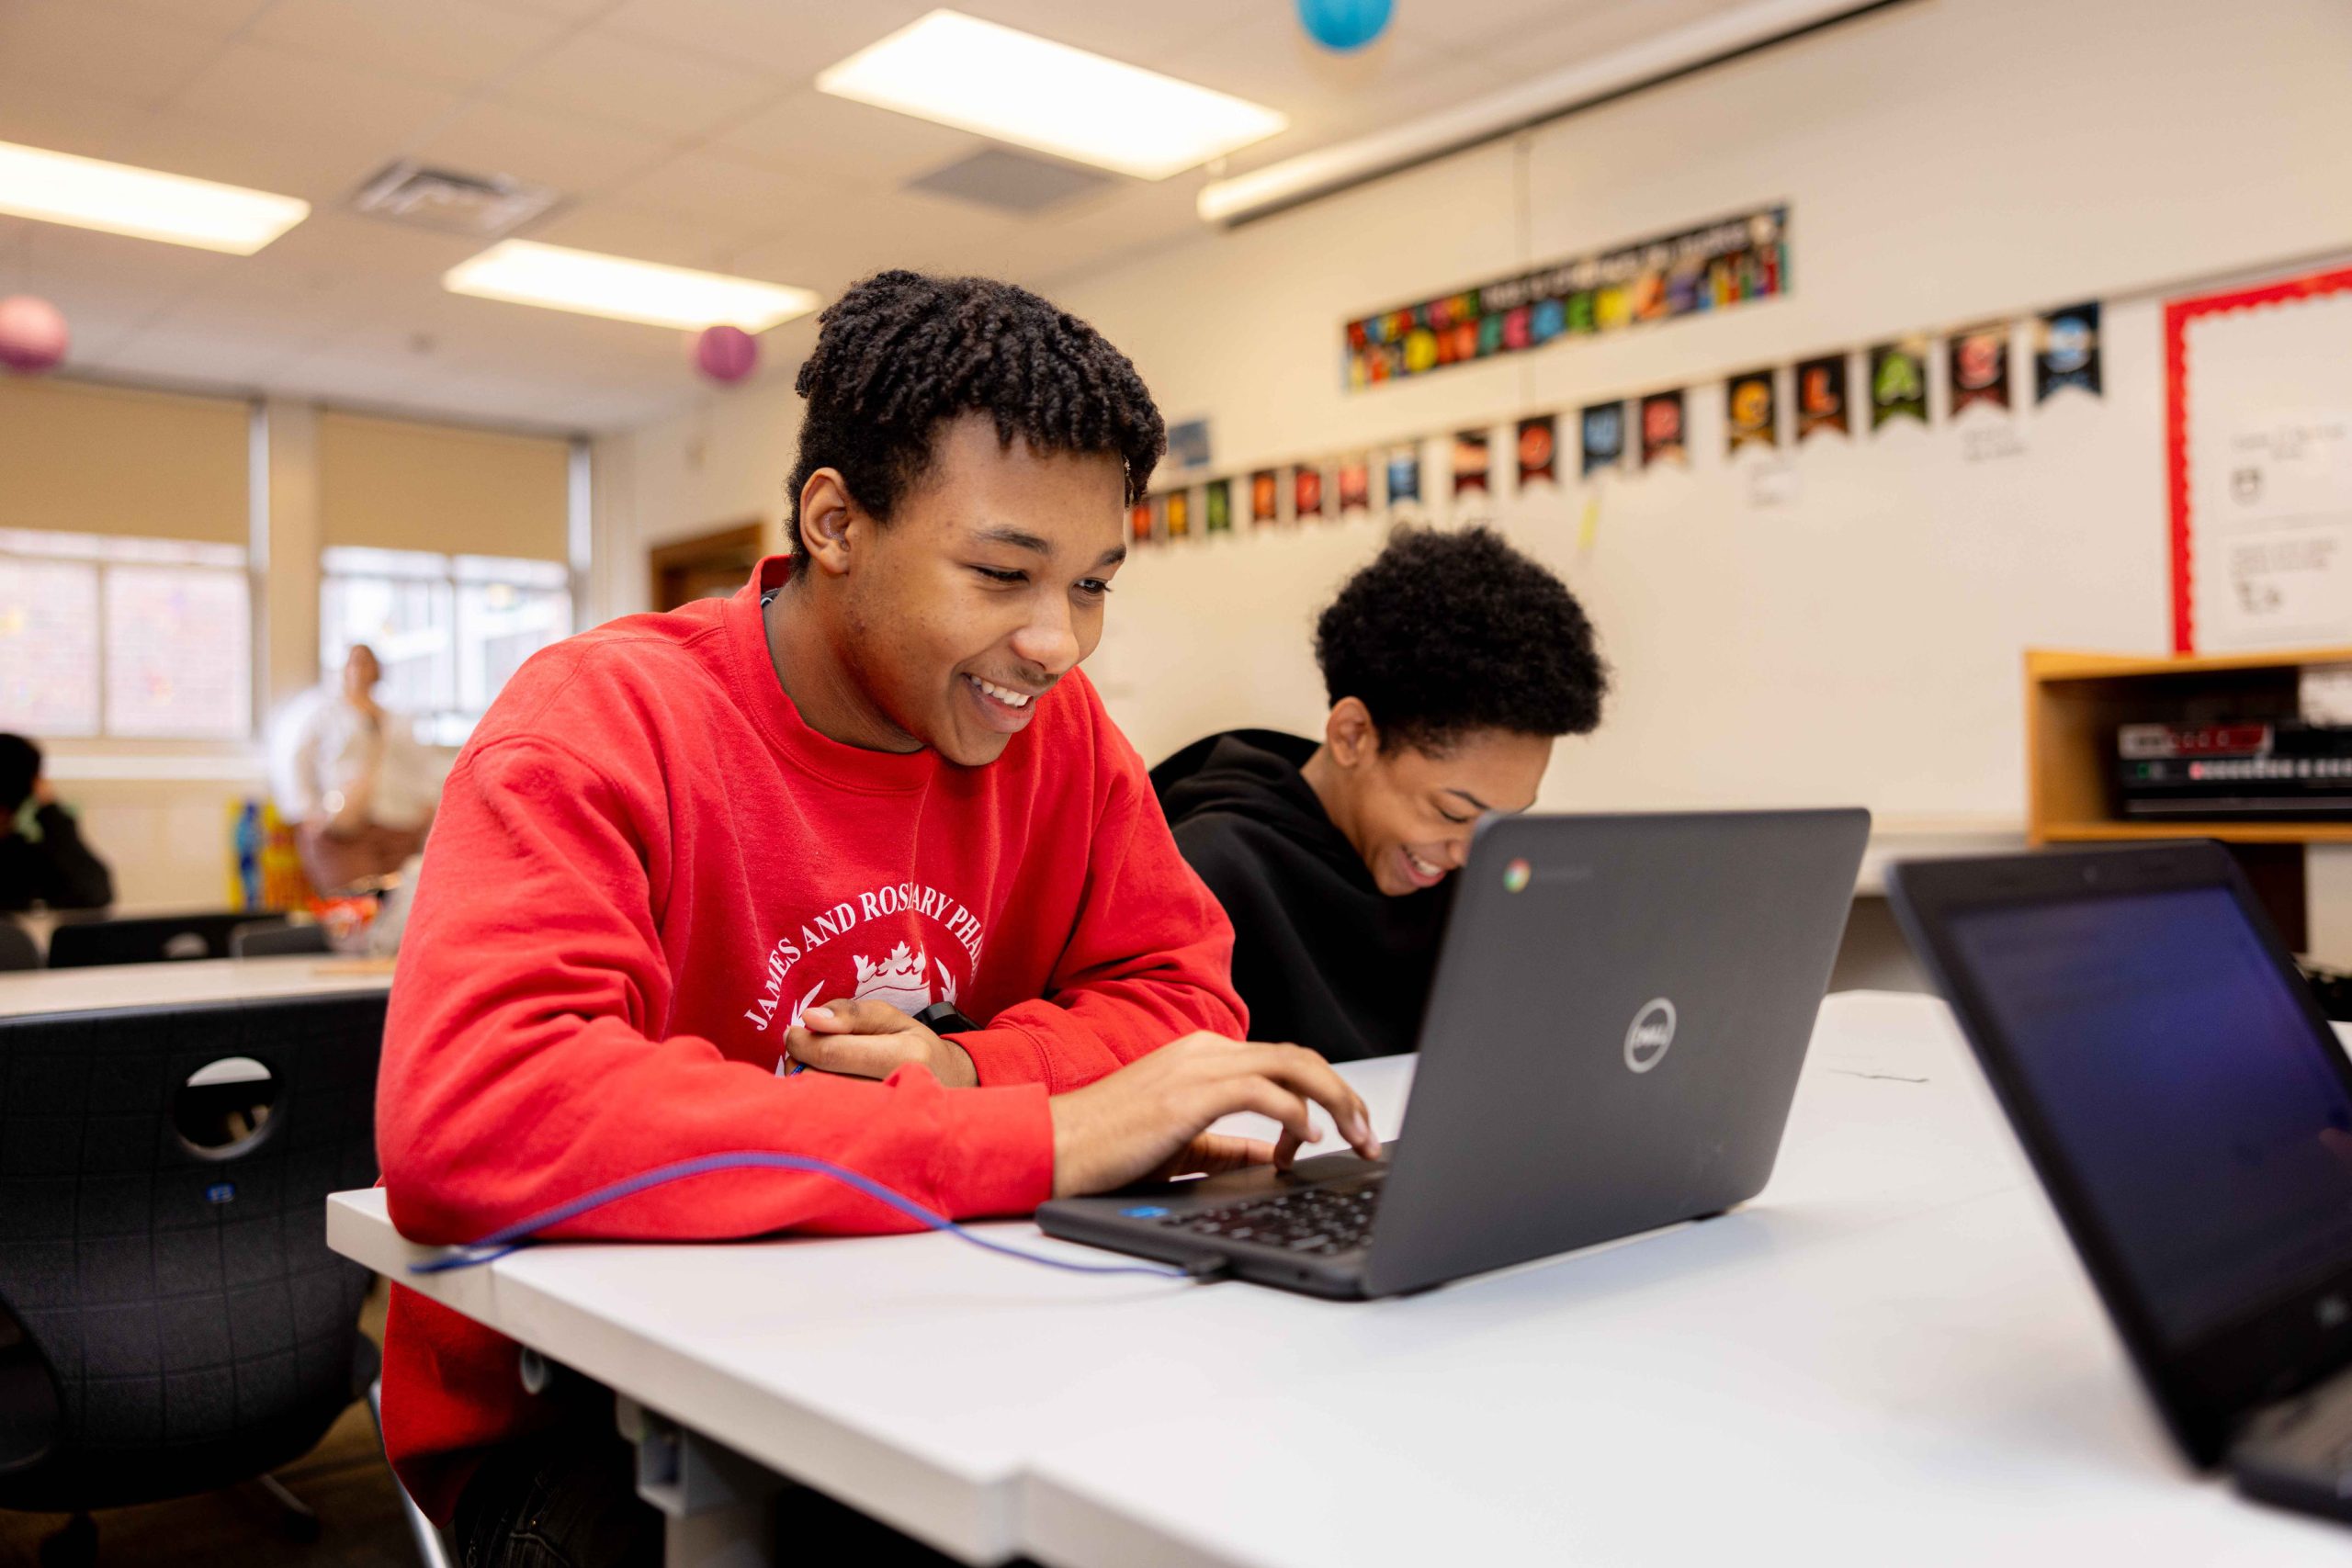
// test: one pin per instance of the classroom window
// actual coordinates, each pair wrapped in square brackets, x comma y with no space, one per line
[447,630]
[124,636]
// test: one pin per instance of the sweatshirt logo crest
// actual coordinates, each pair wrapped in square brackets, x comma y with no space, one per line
[909,973]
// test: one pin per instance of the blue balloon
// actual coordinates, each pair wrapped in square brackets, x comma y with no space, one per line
[1344,25]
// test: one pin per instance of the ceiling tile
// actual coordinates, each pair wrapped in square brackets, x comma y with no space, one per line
[731,199]
[817,133]
[438,41]
[1553,40]
[206,356]
[323,169]
[544,149]
[65,117]
[562,11]
[274,93]
[219,17]
[647,233]
[573,155]
[1146,34]
[603,75]
[793,41]
[126,54]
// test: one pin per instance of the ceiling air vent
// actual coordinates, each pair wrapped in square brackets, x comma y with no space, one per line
[1010,182]
[484,206]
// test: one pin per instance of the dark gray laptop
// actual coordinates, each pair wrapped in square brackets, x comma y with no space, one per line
[1611,1043]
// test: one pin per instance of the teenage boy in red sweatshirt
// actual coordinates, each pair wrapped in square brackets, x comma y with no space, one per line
[686,856]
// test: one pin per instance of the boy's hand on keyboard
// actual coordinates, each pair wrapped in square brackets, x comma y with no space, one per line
[1147,1118]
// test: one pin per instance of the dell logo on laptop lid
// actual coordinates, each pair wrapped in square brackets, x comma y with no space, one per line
[1652,1033]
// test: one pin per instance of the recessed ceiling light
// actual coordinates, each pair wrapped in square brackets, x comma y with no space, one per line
[530,274]
[88,193]
[1033,92]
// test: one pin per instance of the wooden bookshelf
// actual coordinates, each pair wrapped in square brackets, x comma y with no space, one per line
[2073,704]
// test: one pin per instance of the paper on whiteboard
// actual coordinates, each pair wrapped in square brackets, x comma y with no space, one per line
[2278,535]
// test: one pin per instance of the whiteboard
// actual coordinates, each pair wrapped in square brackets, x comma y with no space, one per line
[2259,453]
[1839,622]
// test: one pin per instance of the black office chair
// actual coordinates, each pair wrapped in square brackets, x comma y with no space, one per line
[148,939]
[266,939]
[171,1320]
[18,948]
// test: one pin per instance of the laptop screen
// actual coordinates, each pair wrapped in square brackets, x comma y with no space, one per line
[2182,1082]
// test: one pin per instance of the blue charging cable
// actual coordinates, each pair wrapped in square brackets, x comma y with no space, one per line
[513,1237]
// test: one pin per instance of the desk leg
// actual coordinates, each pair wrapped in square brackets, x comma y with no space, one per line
[719,1507]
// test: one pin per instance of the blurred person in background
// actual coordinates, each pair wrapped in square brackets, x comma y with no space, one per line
[42,858]
[352,778]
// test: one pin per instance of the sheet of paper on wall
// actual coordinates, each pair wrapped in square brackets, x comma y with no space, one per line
[2323,694]
[2278,528]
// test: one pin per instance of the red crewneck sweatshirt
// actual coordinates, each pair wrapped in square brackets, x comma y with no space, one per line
[644,867]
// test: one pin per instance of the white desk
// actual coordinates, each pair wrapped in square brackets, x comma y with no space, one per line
[1890,1356]
[192,980]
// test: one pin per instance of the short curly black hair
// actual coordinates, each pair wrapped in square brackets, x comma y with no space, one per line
[20,767]
[902,352]
[1448,632]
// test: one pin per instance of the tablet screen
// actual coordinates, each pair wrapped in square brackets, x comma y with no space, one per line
[2172,1064]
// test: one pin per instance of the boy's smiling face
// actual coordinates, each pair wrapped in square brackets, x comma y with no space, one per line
[984,588]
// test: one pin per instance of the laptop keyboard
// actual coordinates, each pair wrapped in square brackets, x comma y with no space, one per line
[1320,1220]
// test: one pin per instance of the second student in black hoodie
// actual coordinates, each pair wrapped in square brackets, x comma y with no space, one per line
[1452,662]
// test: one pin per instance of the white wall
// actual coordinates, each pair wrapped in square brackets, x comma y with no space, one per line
[1946,161]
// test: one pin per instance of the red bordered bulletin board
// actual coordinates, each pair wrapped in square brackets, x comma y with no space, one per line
[2179,315]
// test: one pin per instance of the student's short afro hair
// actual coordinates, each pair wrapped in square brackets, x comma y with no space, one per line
[19,766]
[903,352]
[1445,633]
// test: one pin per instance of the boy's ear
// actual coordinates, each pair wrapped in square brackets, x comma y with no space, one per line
[1350,735]
[824,520]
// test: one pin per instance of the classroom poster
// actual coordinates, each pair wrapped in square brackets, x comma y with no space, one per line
[1602,430]
[1751,410]
[1139,527]
[1404,477]
[1217,507]
[1179,514]
[1306,491]
[1822,402]
[1898,383]
[1539,444]
[1662,429]
[2065,351]
[1355,483]
[1265,497]
[1713,268]
[1977,363]
[1470,458]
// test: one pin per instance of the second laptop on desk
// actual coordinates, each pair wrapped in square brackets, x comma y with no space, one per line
[1611,1045]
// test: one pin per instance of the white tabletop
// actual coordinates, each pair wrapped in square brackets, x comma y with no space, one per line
[1891,1355]
[190,980]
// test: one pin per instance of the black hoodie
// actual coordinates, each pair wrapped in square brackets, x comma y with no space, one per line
[1320,955]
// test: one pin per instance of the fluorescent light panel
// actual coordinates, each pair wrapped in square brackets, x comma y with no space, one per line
[1017,87]
[116,198]
[525,273]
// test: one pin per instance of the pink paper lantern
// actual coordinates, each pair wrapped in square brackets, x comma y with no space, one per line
[726,354]
[32,335]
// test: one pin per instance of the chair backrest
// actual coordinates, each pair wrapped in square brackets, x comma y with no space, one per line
[18,948]
[264,939]
[194,1326]
[147,939]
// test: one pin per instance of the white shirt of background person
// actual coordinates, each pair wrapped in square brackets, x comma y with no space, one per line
[339,758]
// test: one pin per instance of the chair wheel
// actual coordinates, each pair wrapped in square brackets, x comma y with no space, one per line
[75,1546]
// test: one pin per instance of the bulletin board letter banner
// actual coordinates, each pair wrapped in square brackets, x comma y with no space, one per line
[1715,266]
